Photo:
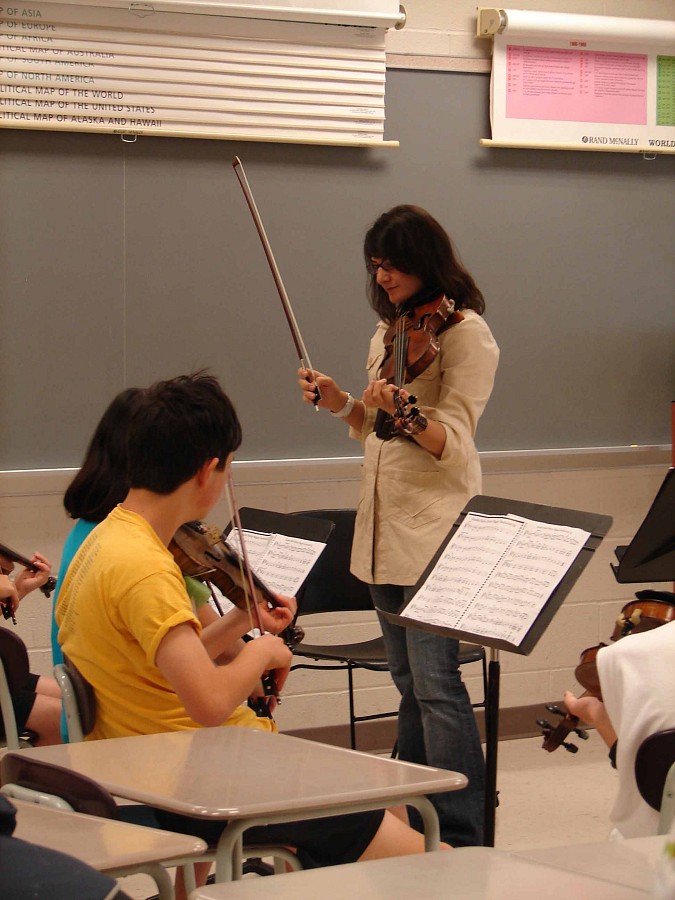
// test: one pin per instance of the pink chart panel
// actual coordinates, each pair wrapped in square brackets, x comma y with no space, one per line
[576,85]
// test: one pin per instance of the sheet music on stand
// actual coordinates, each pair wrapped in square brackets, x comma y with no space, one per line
[282,549]
[494,577]
[502,572]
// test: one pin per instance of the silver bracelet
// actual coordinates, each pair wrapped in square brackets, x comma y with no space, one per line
[346,409]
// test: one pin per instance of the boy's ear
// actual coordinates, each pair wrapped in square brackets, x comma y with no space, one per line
[205,470]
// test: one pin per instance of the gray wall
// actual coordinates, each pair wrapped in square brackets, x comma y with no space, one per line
[122,263]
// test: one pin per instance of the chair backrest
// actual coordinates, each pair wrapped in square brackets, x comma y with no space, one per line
[330,586]
[82,793]
[14,658]
[653,764]
[14,671]
[79,700]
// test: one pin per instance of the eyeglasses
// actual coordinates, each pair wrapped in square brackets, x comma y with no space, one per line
[385,265]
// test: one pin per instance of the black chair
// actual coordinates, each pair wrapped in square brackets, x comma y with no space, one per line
[655,775]
[14,672]
[331,587]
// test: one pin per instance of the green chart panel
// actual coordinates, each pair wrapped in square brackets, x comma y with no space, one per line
[665,90]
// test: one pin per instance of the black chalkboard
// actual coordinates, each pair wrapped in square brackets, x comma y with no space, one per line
[121,263]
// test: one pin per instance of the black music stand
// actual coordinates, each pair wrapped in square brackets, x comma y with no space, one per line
[598,526]
[650,556]
[269,522]
[290,524]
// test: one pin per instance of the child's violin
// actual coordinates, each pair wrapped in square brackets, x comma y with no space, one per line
[586,673]
[649,610]
[201,551]
[15,557]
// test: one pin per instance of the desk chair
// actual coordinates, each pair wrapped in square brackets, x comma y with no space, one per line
[655,775]
[14,671]
[79,703]
[331,587]
[50,785]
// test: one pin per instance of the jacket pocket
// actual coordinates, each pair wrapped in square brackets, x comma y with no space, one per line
[415,507]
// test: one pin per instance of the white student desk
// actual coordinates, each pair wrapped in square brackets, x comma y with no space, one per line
[251,778]
[630,862]
[470,873]
[107,845]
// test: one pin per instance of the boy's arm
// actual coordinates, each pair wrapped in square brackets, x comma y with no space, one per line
[211,693]
[220,634]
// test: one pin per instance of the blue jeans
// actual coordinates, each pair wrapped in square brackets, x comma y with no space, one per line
[436,724]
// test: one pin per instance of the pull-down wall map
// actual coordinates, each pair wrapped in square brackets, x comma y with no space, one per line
[209,70]
[583,82]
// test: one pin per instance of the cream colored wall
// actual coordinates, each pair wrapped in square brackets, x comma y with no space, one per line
[440,34]
[619,483]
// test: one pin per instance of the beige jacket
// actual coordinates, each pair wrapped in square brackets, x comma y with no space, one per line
[410,500]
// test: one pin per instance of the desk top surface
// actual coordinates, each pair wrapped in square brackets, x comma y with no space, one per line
[104,844]
[236,773]
[630,862]
[472,873]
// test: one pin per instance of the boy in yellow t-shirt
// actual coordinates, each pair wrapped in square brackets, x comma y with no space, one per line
[126,622]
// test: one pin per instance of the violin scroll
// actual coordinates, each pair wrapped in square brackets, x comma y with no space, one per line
[649,610]
[554,735]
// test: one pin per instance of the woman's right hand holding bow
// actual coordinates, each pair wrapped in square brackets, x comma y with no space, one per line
[332,397]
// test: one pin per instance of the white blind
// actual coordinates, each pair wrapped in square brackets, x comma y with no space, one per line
[87,67]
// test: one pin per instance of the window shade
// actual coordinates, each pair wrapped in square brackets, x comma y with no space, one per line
[188,69]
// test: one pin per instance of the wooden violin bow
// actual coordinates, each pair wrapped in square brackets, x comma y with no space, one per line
[300,347]
[268,681]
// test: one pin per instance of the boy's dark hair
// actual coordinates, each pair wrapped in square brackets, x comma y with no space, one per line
[102,481]
[414,242]
[180,424]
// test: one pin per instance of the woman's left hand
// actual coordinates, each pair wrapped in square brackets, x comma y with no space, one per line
[380,394]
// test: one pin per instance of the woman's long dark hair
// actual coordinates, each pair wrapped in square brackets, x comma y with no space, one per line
[414,242]
[103,482]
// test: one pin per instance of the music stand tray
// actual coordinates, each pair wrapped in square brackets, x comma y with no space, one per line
[650,556]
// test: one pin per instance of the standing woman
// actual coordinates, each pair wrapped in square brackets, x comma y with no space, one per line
[416,483]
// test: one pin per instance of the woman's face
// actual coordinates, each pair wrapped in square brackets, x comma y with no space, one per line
[400,286]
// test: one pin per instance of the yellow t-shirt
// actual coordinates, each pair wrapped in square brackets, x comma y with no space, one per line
[122,594]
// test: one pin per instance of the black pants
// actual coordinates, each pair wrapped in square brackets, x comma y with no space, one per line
[319,842]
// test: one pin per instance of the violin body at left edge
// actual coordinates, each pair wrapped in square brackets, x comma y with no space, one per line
[15,557]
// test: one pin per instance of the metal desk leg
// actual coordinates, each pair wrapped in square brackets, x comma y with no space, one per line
[432,830]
